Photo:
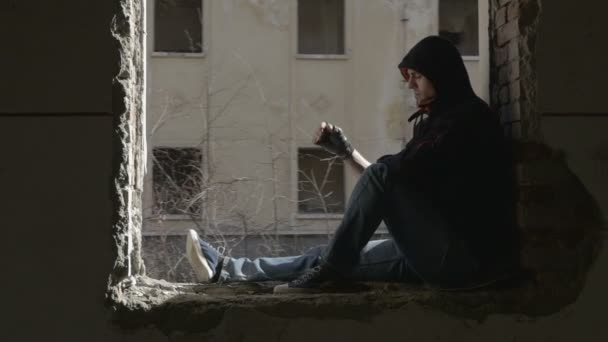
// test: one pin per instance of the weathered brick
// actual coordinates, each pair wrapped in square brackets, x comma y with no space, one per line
[537,217]
[507,32]
[515,130]
[504,116]
[515,110]
[501,55]
[500,18]
[509,129]
[526,108]
[526,71]
[529,12]
[533,152]
[512,10]
[508,73]
[541,172]
[510,112]
[527,42]
[494,96]
[548,258]
[513,49]
[514,70]
[535,193]
[504,74]
[503,95]
[514,90]
[555,282]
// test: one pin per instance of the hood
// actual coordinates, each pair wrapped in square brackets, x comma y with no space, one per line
[439,60]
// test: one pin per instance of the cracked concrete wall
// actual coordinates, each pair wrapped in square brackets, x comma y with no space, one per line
[73,84]
[544,98]
[583,55]
[572,101]
[571,89]
[58,209]
[129,136]
[522,37]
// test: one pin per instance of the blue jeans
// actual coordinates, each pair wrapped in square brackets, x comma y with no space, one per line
[380,260]
[422,249]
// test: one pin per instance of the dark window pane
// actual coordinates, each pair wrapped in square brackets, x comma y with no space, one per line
[458,22]
[321,27]
[177,181]
[320,182]
[178,26]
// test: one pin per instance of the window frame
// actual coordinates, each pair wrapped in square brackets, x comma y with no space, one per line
[204,29]
[316,216]
[149,213]
[472,58]
[296,36]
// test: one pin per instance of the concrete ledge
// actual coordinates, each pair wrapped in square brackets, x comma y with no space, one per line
[142,302]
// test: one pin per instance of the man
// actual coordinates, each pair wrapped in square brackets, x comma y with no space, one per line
[444,198]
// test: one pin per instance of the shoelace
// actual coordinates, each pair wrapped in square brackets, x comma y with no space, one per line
[309,275]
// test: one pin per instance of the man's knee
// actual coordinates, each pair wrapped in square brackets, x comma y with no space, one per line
[316,251]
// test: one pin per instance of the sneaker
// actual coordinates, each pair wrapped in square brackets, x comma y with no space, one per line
[203,258]
[312,281]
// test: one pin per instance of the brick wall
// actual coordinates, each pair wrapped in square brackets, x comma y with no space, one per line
[513,26]
[558,220]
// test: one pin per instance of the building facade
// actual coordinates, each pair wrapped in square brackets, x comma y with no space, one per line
[237,88]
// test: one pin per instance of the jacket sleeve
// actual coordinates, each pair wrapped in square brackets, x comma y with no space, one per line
[444,151]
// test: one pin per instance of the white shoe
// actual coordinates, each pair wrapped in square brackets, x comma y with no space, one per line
[197,260]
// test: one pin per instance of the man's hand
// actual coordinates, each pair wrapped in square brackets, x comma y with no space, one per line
[333,140]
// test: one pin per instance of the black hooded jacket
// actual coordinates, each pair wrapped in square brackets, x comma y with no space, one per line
[458,157]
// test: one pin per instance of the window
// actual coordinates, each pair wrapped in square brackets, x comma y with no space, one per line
[320,182]
[177,181]
[178,26]
[458,22]
[321,27]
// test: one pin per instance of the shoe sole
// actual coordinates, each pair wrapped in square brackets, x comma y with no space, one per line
[196,258]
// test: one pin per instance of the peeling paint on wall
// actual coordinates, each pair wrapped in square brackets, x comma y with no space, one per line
[395,123]
[321,103]
[396,102]
[270,12]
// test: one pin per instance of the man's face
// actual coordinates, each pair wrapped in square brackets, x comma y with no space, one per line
[422,87]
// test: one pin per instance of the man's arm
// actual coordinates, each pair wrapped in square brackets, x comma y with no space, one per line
[357,162]
[333,140]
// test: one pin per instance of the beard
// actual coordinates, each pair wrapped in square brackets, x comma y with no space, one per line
[412,100]
[419,101]
[422,100]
